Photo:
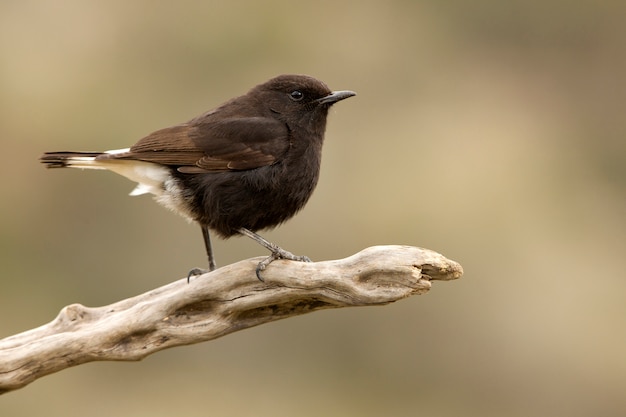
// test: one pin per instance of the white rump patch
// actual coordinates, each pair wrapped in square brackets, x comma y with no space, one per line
[149,176]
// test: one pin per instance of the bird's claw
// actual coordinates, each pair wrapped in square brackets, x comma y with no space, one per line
[196,272]
[279,253]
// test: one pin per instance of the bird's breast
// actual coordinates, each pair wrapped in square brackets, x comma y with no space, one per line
[255,199]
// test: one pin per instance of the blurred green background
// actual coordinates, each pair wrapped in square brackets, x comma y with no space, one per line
[492,132]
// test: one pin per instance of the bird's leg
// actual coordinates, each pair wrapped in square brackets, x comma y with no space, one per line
[209,252]
[277,252]
[209,248]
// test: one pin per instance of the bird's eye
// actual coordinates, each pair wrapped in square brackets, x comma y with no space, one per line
[296,95]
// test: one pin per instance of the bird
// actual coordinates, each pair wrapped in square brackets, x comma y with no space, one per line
[248,165]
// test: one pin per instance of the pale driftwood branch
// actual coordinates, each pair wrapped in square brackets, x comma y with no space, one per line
[213,305]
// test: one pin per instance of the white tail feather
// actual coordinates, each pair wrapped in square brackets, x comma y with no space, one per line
[149,176]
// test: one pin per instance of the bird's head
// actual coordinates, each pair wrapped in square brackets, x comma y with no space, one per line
[299,100]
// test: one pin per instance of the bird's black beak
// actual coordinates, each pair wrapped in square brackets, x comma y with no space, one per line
[336,96]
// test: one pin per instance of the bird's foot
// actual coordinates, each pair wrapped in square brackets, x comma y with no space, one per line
[278,253]
[197,272]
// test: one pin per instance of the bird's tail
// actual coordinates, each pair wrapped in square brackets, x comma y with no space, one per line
[151,177]
[71,159]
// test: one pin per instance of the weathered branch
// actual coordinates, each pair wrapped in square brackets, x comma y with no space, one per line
[213,305]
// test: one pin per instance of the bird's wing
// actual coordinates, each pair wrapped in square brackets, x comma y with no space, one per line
[219,145]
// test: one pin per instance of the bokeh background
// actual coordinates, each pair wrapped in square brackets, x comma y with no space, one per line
[492,132]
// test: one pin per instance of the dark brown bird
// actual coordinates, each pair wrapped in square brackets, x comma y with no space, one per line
[248,165]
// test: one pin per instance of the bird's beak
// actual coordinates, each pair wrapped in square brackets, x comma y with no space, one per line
[336,96]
